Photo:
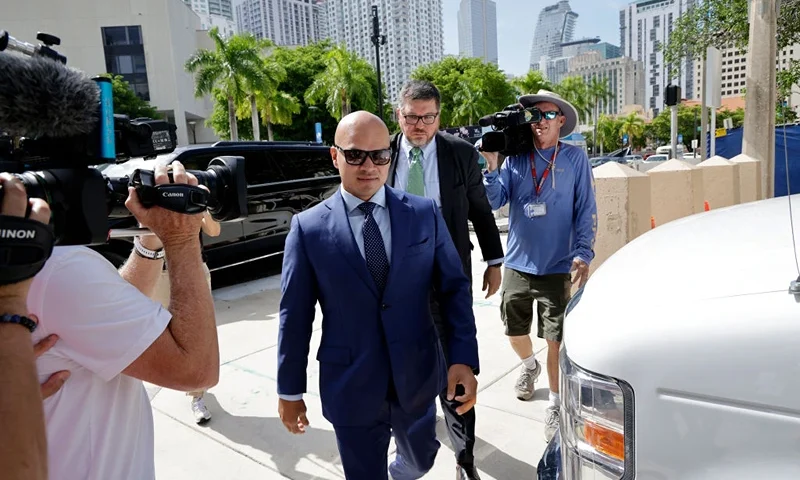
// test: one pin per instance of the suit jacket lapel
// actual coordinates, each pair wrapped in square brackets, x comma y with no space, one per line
[394,144]
[342,234]
[446,175]
[400,215]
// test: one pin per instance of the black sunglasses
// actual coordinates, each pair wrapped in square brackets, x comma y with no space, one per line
[358,157]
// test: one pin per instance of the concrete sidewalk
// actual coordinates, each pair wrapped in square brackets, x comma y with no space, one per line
[246,440]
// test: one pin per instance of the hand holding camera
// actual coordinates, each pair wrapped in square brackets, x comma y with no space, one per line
[172,228]
[492,159]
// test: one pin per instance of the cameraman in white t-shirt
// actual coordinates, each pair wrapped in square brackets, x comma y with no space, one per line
[112,337]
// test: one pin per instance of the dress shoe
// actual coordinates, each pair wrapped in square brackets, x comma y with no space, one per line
[467,472]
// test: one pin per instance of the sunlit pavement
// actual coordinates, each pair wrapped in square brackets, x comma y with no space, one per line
[246,440]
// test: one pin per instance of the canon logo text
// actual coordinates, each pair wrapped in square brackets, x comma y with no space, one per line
[22,234]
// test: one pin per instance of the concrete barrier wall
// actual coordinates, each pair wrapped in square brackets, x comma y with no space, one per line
[749,178]
[623,208]
[627,198]
[721,185]
[676,191]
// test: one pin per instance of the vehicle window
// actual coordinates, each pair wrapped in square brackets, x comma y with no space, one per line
[260,168]
[300,164]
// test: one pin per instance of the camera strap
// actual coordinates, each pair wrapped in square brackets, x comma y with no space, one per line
[25,246]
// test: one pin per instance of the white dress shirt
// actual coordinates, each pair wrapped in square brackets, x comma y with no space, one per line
[430,168]
[380,213]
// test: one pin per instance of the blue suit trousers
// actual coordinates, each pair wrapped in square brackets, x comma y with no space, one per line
[364,449]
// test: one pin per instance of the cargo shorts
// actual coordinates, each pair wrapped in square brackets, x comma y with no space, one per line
[551,294]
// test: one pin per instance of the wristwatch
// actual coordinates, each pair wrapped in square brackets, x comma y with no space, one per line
[146,252]
[19,319]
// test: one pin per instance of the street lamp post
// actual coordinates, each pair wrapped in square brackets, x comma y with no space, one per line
[378,40]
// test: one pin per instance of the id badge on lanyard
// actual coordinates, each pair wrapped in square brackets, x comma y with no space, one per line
[538,208]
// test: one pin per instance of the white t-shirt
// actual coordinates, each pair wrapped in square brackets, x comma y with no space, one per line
[99,425]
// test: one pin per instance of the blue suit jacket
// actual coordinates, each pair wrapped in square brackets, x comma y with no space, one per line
[366,337]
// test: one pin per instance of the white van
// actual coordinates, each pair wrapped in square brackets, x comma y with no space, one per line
[667,150]
[692,370]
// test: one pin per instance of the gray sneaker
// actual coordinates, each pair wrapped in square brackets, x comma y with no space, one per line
[525,383]
[551,421]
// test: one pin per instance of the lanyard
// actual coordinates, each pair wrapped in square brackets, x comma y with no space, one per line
[538,187]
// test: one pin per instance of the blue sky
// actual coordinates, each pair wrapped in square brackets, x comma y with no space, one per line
[516,20]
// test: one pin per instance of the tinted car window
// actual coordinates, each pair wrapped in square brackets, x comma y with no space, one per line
[300,164]
[259,167]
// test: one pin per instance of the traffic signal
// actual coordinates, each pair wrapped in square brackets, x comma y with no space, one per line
[672,95]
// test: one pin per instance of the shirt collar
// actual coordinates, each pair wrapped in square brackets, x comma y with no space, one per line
[352,202]
[427,150]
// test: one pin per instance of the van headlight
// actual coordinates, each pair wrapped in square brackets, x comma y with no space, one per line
[596,424]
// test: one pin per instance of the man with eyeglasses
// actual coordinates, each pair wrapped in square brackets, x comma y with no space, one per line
[370,256]
[551,233]
[445,168]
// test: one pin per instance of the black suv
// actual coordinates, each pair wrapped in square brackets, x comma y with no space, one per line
[283,179]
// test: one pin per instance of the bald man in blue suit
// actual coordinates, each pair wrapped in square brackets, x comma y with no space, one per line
[371,256]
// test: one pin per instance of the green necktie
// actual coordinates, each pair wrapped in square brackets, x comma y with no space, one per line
[416,182]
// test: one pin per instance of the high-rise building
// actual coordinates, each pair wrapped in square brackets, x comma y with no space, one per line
[285,22]
[607,50]
[645,28]
[477,29]
[556,25]
[577,47]
[222,8]
[413,29]
[624,77]
[214,13]
[733,72]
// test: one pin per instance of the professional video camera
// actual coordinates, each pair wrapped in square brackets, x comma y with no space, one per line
[57,124]
[513,134]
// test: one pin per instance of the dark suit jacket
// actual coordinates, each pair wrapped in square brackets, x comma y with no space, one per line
[463,197]
[368,338]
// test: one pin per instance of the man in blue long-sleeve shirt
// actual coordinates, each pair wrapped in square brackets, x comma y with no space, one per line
[551,232]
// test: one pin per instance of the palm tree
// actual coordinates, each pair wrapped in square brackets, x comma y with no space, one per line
[231,66]
[633,127]
[276,106]
[531,82]
[574,90]
[471,101]
[608,132]
[270,75]
[344,80]
[598,91]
